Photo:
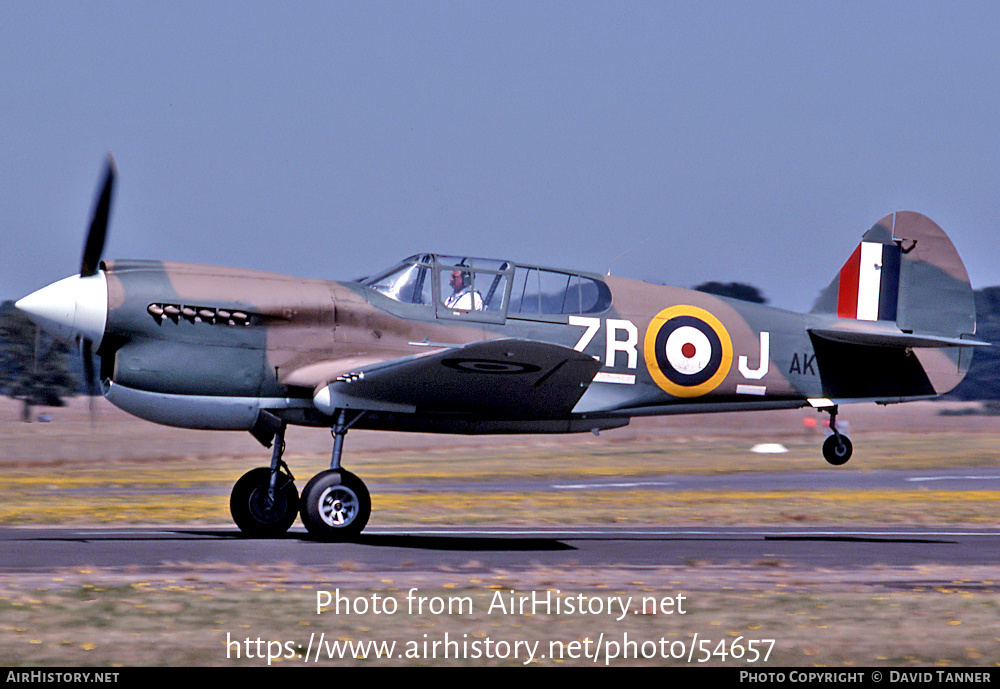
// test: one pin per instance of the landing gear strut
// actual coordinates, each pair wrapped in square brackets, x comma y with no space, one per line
[335,504]
[837,449]
[265,502]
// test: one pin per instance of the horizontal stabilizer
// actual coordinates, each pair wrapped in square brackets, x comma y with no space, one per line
[874,336]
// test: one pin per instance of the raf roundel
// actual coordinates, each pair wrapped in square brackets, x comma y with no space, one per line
[687,350]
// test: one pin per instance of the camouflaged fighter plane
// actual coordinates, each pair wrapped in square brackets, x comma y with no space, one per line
[454,344]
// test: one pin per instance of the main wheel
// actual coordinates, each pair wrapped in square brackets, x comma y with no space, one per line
[837,449]
[254,513]
[335,505]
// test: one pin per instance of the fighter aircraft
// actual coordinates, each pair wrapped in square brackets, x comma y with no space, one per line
[457,344]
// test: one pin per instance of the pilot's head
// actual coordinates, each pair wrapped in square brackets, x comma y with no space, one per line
[459,279]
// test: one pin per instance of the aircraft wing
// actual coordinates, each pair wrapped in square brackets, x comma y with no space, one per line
[505,378]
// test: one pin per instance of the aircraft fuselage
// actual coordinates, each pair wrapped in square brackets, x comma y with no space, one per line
[206,347]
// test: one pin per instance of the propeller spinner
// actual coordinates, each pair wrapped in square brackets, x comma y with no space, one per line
[76,308]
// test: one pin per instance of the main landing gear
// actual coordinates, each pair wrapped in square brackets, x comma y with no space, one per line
[265,502]
[334,505]
[837,448]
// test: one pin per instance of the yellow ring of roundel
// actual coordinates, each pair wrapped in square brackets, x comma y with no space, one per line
[649,351]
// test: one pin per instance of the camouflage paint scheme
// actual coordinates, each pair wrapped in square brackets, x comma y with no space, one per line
[413,370]
[513,349]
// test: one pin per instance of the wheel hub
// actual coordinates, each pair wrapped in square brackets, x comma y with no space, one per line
[338,506]
[266,509]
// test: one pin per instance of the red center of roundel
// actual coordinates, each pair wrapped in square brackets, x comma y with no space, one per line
[688,350]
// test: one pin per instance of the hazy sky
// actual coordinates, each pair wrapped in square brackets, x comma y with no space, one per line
[750,141]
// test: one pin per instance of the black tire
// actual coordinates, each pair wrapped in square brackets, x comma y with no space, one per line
[251,510]
[837,449]
[335,505]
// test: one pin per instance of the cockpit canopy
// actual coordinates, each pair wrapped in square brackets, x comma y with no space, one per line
[462,284]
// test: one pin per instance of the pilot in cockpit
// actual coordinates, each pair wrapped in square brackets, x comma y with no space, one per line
[463,297]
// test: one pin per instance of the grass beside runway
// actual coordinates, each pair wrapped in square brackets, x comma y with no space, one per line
[195,489]
[579,507]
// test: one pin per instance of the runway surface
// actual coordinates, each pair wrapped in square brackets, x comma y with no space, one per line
[402,548]
[981,478]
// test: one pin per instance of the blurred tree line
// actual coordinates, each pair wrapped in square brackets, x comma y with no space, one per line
[735,290]
[34,368]
[983,380]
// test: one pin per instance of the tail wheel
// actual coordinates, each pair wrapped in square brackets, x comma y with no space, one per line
[837,449]
[335,505]
[255,512]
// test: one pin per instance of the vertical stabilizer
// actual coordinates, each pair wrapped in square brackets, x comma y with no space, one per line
[907,271]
